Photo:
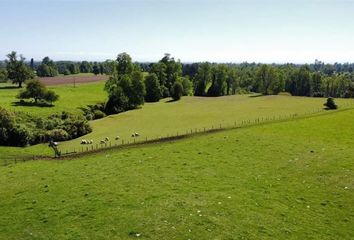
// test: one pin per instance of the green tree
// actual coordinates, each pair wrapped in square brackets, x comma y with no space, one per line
[152,86]
[3,75]
[202,79]
[47,68]
[187,85]
[73,68]
[266,78]
[125,86]
[218,81]
[177,91]
[124,64]
[18,72]
[38,91]
[95,70]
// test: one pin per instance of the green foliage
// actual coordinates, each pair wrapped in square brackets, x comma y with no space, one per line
[152,86]
[47,68]
[20,129]
[167,70]
[3,75]
[266,79]
[37,90]
[202,79]
[177,91]
[97,114]
[73,68]
[330,104]
[17,71]
[187,85]
[125,86]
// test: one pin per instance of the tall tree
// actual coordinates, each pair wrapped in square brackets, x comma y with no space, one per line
[152,86]
[202,79]
[17,70]
[266,77]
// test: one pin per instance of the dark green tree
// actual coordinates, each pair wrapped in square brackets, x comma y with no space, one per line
[202,79]
[152,86]
[37,90]
[176,91]
[18,72]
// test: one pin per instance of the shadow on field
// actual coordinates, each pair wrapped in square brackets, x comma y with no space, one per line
[256,95]
[171,101]
[31,104]
[9,87]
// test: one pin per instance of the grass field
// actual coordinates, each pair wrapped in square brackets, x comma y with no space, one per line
[70,98]
[289,180]
[157,119]
[169,118]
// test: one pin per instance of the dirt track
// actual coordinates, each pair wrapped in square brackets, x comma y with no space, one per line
[50,81]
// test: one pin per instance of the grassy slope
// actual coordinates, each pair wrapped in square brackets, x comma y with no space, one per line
[290,180]
[167,118]
[70,98]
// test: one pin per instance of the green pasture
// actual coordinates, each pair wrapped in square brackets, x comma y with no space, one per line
[71,98]
[156,120]
[165,118]
[288,180]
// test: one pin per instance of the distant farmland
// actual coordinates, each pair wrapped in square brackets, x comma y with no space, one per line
[71,79]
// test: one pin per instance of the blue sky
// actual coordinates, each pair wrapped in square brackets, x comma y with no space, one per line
[212,30]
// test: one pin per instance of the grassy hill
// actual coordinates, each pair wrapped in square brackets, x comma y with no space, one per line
[289,180]
[71,99]
[160,119]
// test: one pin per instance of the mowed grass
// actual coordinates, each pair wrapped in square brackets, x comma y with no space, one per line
[289,180]
[71,99]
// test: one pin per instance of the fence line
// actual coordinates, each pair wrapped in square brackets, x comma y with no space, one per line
[83,150]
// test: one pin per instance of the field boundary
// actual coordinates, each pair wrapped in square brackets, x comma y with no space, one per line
[139,141]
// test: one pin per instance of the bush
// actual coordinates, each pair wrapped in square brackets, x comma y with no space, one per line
[19,136]
[330,104]
[97,114]
[57,135]
[21,129]
[177,91]
[67,72]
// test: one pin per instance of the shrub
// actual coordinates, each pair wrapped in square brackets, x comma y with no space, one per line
[19,136]
[97,114]
[57,135]
[330,104]
[177,91]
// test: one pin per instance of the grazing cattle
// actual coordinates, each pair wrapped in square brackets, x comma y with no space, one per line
[106,139]
[102,141]
[83,141]
[117,138]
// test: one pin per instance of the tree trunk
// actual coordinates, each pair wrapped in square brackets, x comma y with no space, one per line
[20,84]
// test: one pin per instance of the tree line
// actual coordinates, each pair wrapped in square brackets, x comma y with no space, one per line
[201,79]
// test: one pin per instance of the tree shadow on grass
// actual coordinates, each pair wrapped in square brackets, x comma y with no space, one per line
[31,104]
[9,87]
[257,95]
[171,101]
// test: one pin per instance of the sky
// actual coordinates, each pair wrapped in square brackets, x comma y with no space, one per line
[268,31]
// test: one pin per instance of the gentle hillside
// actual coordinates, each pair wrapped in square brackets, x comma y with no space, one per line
[290,180]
